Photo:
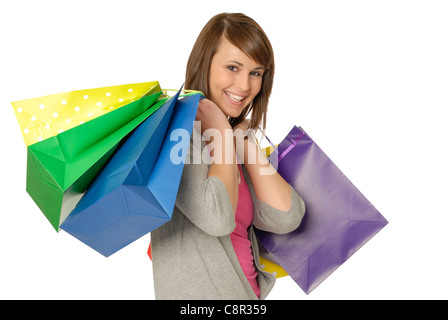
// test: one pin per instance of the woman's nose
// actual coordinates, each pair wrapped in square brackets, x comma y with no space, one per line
[242,82]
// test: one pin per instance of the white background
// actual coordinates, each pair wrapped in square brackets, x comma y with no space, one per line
[368,81]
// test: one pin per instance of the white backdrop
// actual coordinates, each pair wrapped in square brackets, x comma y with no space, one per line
[367,80]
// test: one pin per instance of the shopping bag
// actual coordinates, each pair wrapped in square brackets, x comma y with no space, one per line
[338,221]
[272,267]
[44,117]
[66,150]
[136,191]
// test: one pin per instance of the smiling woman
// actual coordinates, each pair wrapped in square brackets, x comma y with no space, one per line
[209,249]
[245,41]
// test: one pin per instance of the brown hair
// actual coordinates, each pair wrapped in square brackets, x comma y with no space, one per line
[249,37]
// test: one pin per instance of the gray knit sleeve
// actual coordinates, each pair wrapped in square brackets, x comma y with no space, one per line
[204,201]
[273,220]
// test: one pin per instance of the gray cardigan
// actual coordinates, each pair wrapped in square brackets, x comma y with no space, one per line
[192,254]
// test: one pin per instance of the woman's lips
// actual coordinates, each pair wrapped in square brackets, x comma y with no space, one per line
[234,98]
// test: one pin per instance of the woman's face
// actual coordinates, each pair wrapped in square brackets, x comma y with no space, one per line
[235,79]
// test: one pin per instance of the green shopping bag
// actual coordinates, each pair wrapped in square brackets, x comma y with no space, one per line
[62,166]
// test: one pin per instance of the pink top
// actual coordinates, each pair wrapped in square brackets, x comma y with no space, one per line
[240,236]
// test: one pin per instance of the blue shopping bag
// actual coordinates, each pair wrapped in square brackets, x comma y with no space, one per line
[136,191]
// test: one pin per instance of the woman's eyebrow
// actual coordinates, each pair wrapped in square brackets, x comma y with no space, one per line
[242,65]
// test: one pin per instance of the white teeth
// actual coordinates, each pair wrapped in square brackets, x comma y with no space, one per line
[234,97]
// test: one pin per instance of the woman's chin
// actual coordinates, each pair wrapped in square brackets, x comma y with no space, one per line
[233,111]
[230,109]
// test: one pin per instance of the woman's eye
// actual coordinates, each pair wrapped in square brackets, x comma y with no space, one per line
[255,73]
[232,68]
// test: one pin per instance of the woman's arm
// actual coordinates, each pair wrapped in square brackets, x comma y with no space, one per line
[224,167]
[268,185]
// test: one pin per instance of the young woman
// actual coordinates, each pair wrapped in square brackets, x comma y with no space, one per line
[209,250]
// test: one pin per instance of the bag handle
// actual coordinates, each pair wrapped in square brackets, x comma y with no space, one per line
[186,93]
[288,149]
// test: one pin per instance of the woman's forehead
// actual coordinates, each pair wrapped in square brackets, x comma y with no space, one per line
[228,52]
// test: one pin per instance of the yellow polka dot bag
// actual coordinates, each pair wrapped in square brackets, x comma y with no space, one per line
[70,136]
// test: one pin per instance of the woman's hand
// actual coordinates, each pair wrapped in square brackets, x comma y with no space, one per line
[211,116]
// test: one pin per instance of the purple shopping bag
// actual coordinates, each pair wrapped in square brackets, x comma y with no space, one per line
[338,221]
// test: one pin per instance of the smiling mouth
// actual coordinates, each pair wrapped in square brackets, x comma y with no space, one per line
[234,97]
